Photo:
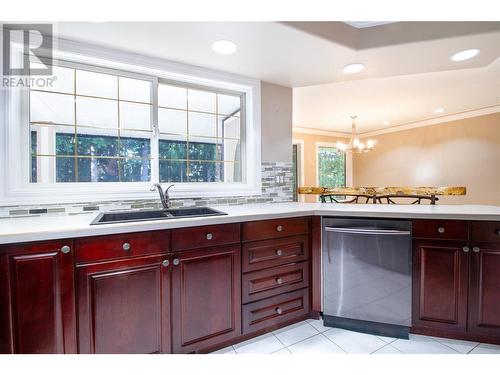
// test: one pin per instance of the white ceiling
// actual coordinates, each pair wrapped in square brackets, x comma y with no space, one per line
[287,55]
[408,68]
[400,99]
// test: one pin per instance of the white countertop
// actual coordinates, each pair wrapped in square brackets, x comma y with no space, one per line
[58,226]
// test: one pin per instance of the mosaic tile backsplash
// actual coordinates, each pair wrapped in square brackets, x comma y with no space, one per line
[277,186]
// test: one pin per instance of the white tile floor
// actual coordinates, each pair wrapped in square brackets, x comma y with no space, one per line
[311,336]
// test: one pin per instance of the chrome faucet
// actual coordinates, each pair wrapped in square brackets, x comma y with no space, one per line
[164,197]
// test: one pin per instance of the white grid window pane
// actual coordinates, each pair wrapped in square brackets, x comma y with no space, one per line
[172,121]
[204,101]
[202,124]
[135,116]
[63,79]
[96,84]
[229,127]
[228,104]
[135,90]
[48,107]
[96,112]
[172,96]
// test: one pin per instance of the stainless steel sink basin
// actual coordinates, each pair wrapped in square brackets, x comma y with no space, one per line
[174,213]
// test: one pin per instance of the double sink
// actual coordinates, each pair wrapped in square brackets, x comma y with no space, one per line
[171,213]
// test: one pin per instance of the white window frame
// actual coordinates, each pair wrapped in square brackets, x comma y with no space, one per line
[15,187]
[348,163]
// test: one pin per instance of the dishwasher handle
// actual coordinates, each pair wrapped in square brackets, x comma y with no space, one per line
[391,232]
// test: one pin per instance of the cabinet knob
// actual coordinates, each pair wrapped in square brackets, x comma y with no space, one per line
[126,246]
[209,236]
[279,280]
[465,249]
[279,228]
[476,249]
[279,252]
[441,230]
[65,249]
[497,232]
[279,311]
[176,262]
[166,262]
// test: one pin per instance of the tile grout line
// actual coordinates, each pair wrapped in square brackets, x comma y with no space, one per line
[341,348]
[442,343]
[386,345]
[470,351]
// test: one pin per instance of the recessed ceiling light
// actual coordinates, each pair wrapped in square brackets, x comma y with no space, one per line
[386,123]
[465,55]
[224,47]
[439,110]
[353,68]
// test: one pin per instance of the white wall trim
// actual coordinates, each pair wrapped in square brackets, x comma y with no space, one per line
[436,120]
[406,126]
[300,129]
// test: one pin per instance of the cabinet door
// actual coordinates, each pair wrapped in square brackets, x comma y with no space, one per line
[123,306]
[206,299]
[37,299]
[484,300]
[440,279]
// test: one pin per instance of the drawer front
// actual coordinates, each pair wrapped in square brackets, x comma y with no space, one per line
[208,235]
[117,246]
[440,229]
[485,231]
[261,230]
[269,253]
[272,281]
[275,310]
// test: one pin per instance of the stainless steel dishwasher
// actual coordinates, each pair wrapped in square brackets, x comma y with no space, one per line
[367,275]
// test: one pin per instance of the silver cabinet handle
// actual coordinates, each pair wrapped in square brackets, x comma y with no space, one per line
[465,249]
[441,230]
[65,249]
[166,262]
[176,262]
[497,232]
[279,252]
[209,236]
[126,246]
[279,228]
[279,280]
[476,249]
[279,311]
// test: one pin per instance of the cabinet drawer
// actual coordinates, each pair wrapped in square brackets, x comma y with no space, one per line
[272,281]
[260,230]
[485,231]
[440,229]
[117,246]
[208,235]
[269,253]
[269,312]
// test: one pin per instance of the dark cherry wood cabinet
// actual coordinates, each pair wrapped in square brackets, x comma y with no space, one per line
[456,284]
[484,297]
[440,284]
[206,298]
[124,306]
[37,298]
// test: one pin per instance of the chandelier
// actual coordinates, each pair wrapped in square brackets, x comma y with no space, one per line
[355,146]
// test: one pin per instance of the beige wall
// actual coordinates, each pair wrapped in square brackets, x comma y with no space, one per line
[309,163]
[276,122]
[464,152]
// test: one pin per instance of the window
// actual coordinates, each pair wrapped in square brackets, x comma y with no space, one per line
[113,123]
[98,126]
[331,167]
